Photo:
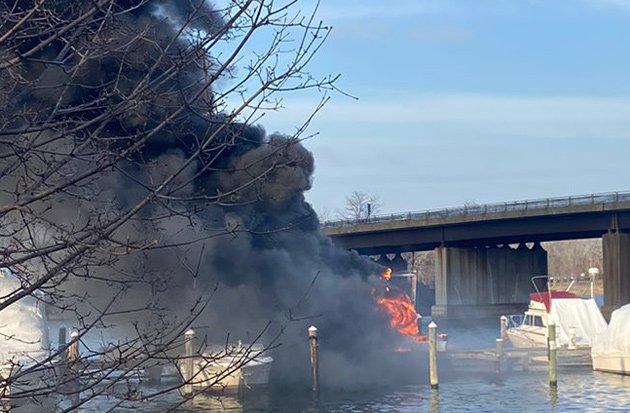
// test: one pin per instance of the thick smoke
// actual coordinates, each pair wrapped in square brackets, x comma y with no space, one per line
[255,242]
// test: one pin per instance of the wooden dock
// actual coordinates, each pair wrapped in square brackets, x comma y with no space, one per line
[516,358]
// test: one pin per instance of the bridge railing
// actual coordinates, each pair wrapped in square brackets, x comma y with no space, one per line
[609,198]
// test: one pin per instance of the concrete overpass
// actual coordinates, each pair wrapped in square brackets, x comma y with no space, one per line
[475,265]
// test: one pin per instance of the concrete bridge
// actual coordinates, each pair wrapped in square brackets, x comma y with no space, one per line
[477,272]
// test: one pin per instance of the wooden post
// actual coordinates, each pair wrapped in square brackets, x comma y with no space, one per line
[72,367]
[188,359]
[553,360]
[503,327]
[433,368]
[499,353]
[312,336]
[72,353]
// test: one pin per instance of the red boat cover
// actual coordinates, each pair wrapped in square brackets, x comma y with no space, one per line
[545,297]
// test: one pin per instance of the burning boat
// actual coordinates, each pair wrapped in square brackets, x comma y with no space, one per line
[395,295]
[227,368]
[577,319]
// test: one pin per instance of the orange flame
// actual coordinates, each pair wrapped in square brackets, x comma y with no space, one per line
[400,309]
[387,274]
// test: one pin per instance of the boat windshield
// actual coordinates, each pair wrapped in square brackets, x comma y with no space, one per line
[533,320]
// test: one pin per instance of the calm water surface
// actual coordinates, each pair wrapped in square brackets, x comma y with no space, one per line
[579,390]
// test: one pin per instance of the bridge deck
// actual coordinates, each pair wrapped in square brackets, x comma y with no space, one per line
[469,213]
[585,216]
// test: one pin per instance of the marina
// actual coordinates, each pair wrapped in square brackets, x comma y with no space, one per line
[470,380]
[311,206]
[195,377]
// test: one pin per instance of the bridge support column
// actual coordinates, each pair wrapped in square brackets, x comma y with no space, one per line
[483,282]
[616,257]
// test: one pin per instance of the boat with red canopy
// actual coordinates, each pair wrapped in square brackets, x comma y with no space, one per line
[577,319]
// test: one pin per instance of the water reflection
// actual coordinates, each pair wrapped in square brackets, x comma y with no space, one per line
[218,403]
[553,396]
[434,402]
[578,390]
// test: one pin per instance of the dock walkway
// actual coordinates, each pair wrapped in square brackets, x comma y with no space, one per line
[518,358]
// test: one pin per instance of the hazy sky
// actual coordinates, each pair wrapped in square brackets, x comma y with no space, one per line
[460,101]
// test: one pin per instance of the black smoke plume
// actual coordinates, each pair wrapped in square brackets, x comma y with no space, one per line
[236,207]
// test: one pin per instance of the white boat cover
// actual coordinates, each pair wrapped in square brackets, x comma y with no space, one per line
[615,340]
[582,314]
[23,331]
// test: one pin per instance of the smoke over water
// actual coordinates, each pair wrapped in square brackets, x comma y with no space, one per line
[235,207]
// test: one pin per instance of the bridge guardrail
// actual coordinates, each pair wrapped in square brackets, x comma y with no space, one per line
[609,198]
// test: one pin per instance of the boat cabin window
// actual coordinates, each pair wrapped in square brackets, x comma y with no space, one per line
[534,320]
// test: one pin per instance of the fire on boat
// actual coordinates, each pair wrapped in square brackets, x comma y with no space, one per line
[395,296]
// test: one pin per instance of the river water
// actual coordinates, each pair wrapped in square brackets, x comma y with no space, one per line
[579,390]
[462,389]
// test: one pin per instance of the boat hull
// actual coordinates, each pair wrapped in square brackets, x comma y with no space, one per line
[224,377]
[612,363]
[522,337]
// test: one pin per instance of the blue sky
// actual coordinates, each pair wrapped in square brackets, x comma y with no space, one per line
[462,101]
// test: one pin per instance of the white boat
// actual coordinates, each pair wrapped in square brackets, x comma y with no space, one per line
[230,369]
[611,349]
[577,320]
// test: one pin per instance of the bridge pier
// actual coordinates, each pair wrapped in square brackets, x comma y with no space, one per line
[616,257]
[482,282]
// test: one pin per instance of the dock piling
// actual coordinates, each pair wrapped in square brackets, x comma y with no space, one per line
[503,327]
[188,355]
[72,352]
[553,356]
[499,353]
[433,367]
[312,338]
[71,367]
